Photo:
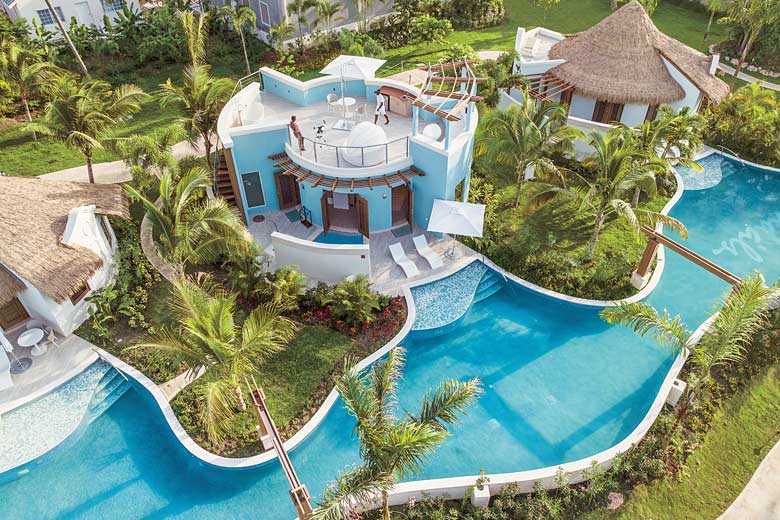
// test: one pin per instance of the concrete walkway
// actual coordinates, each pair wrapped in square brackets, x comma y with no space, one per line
[114,171]
[750,79]
[760,500]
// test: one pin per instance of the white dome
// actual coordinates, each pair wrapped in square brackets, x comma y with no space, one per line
[365,145]
[432,131]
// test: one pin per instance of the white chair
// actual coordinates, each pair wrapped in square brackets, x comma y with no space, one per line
[400,258]
[332,99]
[421,244]
[362,112]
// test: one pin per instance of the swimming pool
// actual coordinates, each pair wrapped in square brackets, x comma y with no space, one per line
[560,385]
[336,237]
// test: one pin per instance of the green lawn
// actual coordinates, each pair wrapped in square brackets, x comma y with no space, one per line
[679,20]
[743,432]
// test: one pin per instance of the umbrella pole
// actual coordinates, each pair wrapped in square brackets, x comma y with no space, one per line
[343,103]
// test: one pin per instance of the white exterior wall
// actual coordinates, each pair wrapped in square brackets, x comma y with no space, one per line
[65,317]
[328,262]
[634,114]
[692,92]
[87,12]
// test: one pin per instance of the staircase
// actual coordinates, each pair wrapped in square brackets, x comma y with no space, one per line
[222,185]
[489,285]
[109,389]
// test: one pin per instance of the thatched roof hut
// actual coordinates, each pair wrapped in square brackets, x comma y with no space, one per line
[33,216]
[621,60]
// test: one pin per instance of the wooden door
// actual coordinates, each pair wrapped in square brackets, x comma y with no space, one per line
[410,209]
[324,206]
[606,112]
[362,209]
[287,190]
[12,313]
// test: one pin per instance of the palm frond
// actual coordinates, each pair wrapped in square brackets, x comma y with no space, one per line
[352,491]
[450,399]
[643,319]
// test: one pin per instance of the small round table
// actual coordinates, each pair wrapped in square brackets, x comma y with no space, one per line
[32,338]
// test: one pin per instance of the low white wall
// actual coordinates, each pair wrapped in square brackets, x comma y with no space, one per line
[327,262]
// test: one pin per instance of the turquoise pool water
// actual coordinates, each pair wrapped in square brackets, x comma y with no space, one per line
[560,385]
[334,237]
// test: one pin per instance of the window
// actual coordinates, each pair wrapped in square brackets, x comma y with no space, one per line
[79,293]
[265,15]
[253,189]
[47,18]
[606,112]
[652,112]
[112,6]
[106,231]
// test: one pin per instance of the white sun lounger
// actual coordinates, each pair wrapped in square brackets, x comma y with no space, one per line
[421,243]
[400,258]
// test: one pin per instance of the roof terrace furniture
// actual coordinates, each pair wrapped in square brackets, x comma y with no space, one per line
[400,258]
[32,338]
[431,256]
[331,99]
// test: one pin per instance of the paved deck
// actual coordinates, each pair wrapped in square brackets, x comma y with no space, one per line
[48,371]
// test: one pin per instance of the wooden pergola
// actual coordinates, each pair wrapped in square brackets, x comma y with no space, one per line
[448,87]
[545,87]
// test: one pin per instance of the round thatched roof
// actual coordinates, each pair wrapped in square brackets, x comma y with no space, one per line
[621,60]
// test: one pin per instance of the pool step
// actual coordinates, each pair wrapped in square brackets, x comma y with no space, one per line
[107,392]
[489,285]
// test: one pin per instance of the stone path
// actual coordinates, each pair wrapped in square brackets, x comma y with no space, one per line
[760,500]
[750,79]
[114,171]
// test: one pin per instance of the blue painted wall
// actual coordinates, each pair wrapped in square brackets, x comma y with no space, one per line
[353,88]
[250,154]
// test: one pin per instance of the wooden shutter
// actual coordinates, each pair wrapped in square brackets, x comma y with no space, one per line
[410,210]
[324,206]
[652,112]
[566,96]
[362,207]
[12,313]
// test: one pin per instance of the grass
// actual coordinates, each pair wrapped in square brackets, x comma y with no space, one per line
[680,20]
[743,432]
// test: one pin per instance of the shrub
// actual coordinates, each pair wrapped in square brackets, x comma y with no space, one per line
[427,29]
[359,44]
[475,14]
[354,302]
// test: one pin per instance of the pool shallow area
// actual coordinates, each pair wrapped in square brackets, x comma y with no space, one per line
[337,237]
[560,385]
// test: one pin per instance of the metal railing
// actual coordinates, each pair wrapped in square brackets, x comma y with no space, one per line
[731,152]
[249,78]
[326,154]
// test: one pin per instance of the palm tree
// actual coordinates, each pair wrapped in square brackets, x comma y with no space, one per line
[392,445]
[208,336]
[618,167]
[153,150]
[299,8]
[196,33]
[191,228]
[741,315]
[65,35]
[25,71]
[714,7]
[84,113]
[523,137]
[242,17]
[328,12]
[280,34]
[201,97]
[751,16]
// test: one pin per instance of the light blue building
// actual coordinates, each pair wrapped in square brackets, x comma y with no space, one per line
[350,175]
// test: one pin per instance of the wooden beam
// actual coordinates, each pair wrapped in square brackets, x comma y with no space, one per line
[453,95]
[692,256]
[450,79]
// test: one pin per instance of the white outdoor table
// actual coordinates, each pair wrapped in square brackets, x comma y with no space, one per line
[344,103]
[32,338]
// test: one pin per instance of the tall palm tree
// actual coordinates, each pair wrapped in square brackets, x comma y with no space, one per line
[618,167]
[208,336]
[714,7]
[328,12]
[201,98]
[82,114]
[66,36]
[299,9]
[191,228]
[280,34]
[242,17]
[751,16]
[523,137]
[196,33]
[393,445]
[24,70]
[741,315]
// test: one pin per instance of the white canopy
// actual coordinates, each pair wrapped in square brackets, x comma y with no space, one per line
[353,67]
[457,218]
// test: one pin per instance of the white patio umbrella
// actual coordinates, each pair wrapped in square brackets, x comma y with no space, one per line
[456,218]
[352,67]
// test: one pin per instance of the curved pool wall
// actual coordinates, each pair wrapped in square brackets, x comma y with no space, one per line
[134,464]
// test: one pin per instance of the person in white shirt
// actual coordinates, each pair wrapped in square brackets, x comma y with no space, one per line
[381,109]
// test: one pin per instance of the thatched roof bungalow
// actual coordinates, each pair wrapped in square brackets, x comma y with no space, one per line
[619,70]
[56,248]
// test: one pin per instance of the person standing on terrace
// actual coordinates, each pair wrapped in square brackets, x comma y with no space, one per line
[381,110]
[296,130]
